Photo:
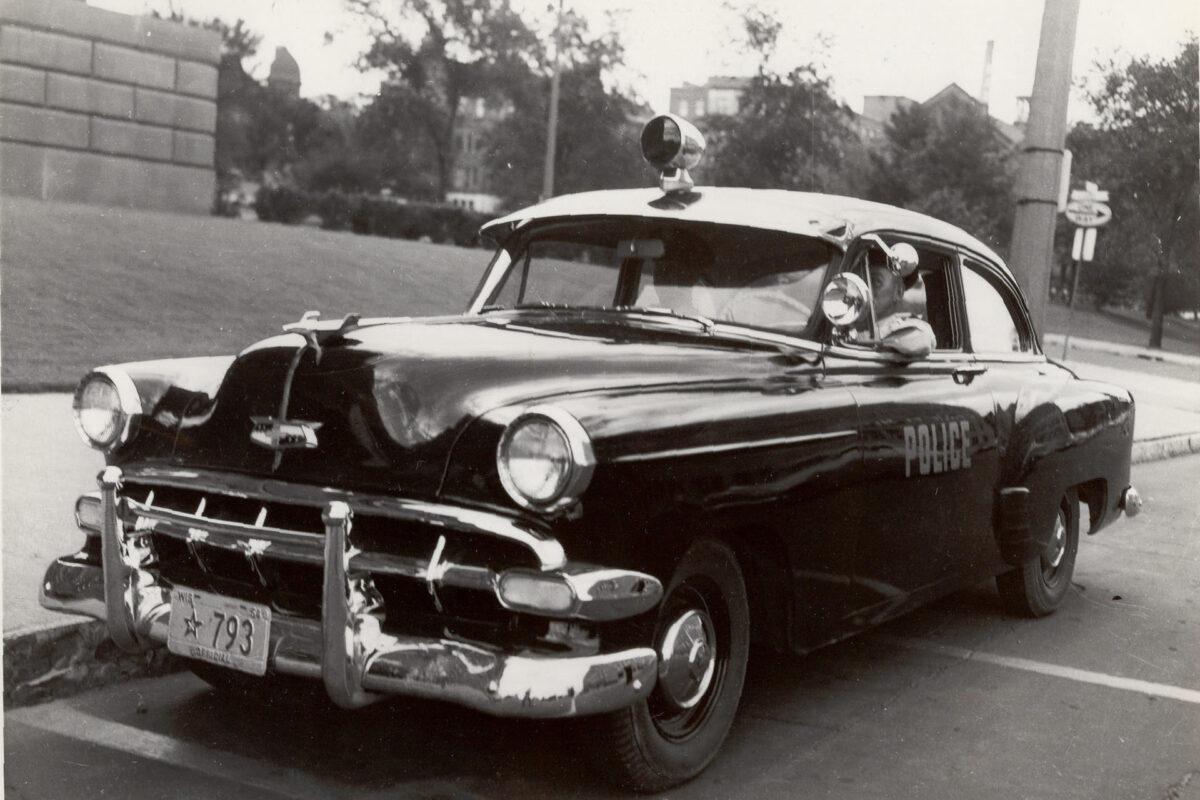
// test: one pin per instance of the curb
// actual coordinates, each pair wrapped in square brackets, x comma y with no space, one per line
[1112,348]
[1164,447]
[65,658]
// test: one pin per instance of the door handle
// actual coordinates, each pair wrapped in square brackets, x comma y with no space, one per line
[967,373]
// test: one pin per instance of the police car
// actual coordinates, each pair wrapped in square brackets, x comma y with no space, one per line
[671,422]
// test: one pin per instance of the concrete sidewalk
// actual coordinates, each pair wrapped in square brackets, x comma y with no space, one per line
[1053,344]
[45,467]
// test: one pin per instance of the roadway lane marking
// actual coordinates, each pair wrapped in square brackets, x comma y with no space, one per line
[74,724]
[1070,673]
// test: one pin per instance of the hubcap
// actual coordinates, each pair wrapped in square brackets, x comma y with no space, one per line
[1058,546]
[687,659]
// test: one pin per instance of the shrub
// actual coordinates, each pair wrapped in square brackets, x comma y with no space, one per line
[374,216]
[336,209]
[281,204]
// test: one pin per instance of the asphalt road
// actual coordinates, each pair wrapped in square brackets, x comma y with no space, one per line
[1099,701]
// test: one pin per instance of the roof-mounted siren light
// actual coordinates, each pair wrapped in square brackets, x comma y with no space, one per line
[672,145]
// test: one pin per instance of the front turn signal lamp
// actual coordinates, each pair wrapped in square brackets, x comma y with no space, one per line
[107,408]
[535,592]
[545,459]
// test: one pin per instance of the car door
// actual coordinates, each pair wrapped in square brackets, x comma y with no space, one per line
[927,431]
[1004,352]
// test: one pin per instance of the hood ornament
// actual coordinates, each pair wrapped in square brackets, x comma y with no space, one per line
[316,332]
[283,434]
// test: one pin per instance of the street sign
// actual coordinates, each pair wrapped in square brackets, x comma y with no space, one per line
[1083,248]
[1090,191]
[1088,213]
[1089,243]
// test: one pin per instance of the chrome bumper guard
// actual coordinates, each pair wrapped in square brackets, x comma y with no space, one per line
[347,649]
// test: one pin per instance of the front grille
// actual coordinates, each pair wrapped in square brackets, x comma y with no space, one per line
[295,588]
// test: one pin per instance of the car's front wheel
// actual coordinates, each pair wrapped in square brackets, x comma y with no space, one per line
[1036,587]
[703,638]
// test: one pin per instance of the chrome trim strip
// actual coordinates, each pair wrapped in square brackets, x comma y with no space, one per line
[722,448]
[548,551]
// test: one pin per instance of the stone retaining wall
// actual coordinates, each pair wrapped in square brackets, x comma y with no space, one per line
[106,108]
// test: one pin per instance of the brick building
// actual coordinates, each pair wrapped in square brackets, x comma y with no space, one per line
[106,108]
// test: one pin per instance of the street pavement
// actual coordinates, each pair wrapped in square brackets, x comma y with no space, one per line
[45,467]
[1100,701]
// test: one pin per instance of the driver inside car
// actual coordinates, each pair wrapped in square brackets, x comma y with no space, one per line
[898,302]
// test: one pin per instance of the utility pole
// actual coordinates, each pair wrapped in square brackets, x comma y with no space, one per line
[1032,248]
[552,122]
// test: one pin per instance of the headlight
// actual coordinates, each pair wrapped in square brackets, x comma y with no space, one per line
[106,408]
[545,459]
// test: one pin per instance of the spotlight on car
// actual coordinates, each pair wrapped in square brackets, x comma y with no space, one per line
[845,300]
[672,145]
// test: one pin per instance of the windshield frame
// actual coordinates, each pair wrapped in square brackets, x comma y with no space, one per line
[504,260]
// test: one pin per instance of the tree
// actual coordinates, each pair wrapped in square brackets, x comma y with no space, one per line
[1144,150]
[948,161]
[460,49]
[789,132]
[598,125]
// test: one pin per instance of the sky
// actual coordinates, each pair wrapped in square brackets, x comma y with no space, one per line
[898,47]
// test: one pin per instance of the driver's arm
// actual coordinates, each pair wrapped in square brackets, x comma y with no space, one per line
[904,333]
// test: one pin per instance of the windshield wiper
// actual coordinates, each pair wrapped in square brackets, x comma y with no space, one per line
[706,324]
[654,311]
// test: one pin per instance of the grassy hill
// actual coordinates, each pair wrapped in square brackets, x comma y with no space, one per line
[84,286]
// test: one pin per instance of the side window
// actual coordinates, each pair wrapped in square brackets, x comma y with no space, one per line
[992,315]
[925,295]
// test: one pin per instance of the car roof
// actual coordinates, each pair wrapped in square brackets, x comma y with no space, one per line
[831,217]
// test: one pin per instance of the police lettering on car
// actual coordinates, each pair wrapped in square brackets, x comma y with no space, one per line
[937,447]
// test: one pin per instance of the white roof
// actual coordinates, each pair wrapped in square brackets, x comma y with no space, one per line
[831,217]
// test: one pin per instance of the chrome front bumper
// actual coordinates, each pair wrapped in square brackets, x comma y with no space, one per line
[347,649]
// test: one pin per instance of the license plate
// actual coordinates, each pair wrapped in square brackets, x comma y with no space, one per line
[221,630]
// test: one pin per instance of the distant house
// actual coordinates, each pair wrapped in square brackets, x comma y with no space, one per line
[471,184]
[722,95]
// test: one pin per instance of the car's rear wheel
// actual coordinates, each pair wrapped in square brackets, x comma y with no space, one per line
[1037,587]
[703,638]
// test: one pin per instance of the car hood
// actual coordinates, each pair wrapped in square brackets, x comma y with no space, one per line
[387,402]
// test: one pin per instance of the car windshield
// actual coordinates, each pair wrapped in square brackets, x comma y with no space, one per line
[723,273]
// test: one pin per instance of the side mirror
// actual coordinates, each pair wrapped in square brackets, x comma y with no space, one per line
[846,300]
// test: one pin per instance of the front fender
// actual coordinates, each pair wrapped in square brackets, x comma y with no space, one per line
[170,391]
